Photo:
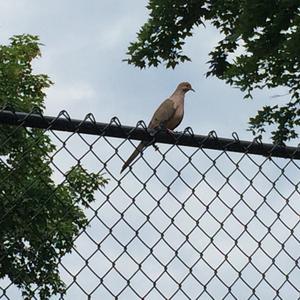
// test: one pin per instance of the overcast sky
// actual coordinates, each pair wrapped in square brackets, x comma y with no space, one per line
[84,44]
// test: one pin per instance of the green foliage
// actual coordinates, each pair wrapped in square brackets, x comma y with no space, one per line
[259,48]
[39,219]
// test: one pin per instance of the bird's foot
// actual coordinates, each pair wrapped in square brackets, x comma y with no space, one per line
[152,131]
[170,131]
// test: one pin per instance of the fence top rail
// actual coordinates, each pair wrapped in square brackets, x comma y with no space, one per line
[88,125]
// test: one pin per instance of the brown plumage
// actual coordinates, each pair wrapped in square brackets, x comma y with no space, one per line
[168,115]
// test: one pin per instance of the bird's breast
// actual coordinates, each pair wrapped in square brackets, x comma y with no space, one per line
[177,118]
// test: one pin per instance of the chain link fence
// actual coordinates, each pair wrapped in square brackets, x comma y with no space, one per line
[198,217]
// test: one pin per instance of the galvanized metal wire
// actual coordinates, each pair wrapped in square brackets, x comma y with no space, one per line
[199,217]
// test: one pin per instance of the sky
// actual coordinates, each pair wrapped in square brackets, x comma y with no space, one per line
[84,43]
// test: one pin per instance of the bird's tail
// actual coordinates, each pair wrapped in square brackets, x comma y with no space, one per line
[135,153]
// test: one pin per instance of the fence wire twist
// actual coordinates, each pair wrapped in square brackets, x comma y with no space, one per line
[199,217]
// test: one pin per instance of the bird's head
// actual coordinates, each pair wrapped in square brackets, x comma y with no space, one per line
[185,87]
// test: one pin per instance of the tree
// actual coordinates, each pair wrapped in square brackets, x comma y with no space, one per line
[39,219]
[259,48]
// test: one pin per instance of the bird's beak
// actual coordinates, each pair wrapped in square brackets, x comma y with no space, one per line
[191,89]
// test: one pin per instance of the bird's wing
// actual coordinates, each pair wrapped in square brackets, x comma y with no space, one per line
[163,114]
[161,117]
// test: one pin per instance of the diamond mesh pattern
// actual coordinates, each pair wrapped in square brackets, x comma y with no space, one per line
[181,223]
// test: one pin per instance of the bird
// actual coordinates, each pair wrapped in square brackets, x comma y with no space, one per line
[168,115]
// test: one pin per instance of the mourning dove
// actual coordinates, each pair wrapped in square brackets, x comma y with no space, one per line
[168,115]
